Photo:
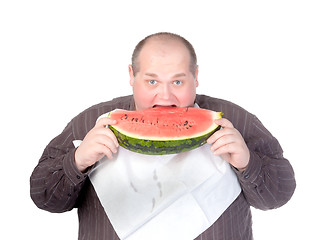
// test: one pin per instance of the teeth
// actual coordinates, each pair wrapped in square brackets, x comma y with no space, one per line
[164,106]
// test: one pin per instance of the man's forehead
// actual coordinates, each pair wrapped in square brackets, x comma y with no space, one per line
[163,45]
[165,54]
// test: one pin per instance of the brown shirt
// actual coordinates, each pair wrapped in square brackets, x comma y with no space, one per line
[267,183]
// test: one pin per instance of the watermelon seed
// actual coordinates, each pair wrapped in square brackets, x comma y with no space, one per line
[186,122]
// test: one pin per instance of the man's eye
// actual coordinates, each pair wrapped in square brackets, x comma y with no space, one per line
[177,82]
[152,82]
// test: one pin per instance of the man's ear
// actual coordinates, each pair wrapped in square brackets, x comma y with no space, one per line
[196,77]
[131,75]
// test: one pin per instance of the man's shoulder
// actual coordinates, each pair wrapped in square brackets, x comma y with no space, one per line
[216,104]
[231,111]
[123,102]
[89,116]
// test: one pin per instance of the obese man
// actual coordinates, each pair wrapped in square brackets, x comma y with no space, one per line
[164,72]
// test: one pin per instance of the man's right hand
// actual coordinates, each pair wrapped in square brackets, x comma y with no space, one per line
[98,142]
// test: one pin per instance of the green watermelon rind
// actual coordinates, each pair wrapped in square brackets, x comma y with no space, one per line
[158,147]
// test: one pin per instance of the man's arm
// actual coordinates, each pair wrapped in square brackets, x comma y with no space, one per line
[59,177]
[266,177]
[268,182]
[56,182]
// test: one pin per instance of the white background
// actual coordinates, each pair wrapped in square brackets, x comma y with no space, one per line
[59,57]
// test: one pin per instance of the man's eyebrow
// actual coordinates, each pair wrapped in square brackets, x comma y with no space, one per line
[151,74]
[179,75]
[174,76]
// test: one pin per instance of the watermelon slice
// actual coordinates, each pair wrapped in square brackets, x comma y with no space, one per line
[163,130]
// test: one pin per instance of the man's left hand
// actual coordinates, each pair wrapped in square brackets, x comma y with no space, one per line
[229,143]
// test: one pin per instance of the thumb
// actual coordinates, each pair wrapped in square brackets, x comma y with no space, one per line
[105,122]
[223,122]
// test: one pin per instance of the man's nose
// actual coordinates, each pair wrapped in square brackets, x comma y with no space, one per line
[165,92]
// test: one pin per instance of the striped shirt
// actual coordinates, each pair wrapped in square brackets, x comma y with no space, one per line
[56,185]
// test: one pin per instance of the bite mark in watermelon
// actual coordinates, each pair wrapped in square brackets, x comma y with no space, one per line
[164,130]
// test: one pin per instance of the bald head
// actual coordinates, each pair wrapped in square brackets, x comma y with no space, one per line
[164,38]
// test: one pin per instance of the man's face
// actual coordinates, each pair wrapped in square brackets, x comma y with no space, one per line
[164,78]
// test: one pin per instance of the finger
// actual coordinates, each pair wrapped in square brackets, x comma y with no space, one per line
[225,156]
[107,133]
[105,121]
[107,152]
[223,141]
[218,134]
[108,142]
[225,149]
[223,122]
[215,136]
[113,138]
[102,151]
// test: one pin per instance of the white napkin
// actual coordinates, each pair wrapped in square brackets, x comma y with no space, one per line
[164,197]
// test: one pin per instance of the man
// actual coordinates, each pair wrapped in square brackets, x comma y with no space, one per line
[164,72]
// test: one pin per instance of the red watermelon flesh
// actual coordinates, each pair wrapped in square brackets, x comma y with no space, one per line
[165,123]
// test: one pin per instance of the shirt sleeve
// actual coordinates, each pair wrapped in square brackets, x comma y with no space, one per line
[56,185]
[269,181]
[56,182]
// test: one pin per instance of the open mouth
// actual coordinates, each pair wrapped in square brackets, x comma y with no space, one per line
[164,106]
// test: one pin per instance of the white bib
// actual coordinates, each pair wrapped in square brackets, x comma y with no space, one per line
[174,196]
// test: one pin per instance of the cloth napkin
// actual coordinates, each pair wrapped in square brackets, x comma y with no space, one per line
[176,196]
